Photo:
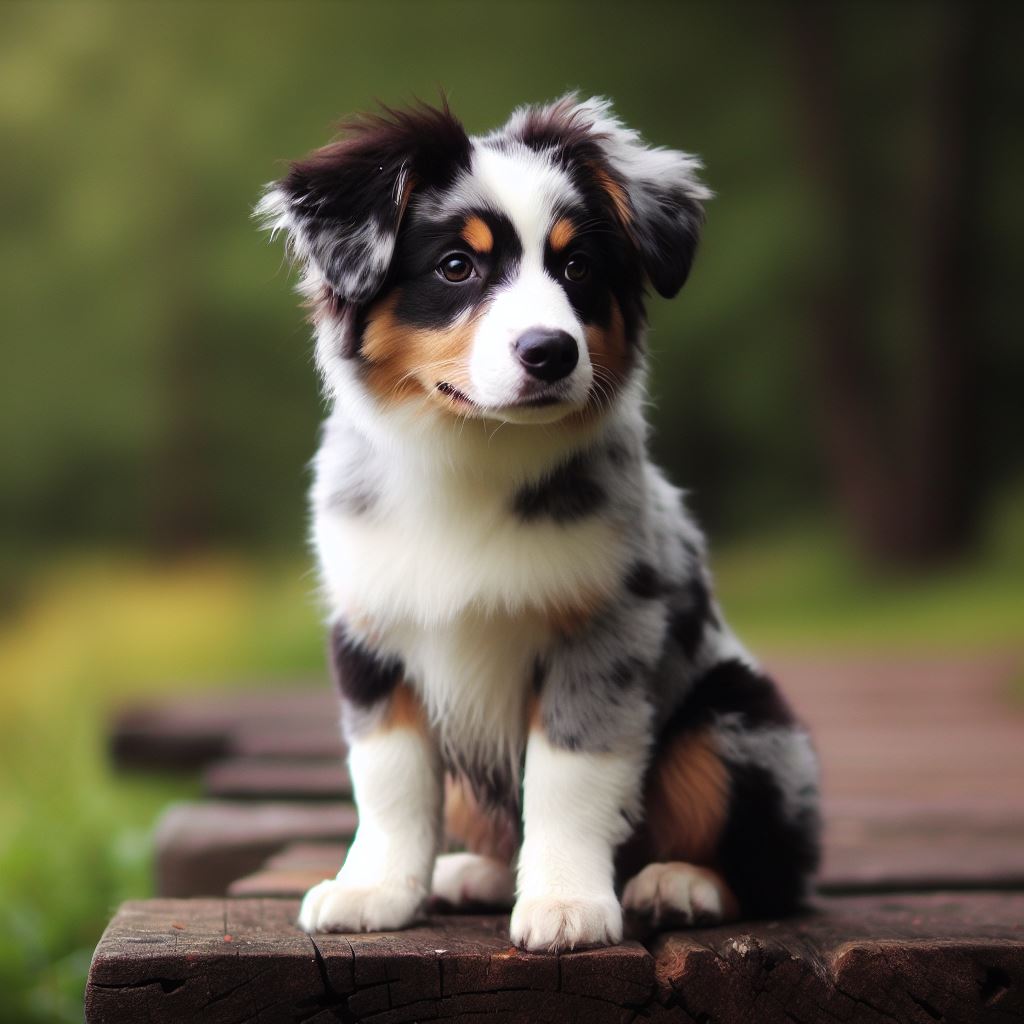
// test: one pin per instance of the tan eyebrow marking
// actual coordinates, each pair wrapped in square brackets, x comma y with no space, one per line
[563,232]
[478,234]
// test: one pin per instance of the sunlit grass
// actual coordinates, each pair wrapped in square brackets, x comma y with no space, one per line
[74,837]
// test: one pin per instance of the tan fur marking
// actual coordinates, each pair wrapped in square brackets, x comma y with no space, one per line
[533,713]
[408,361]
[611,357]
[617,194]
[491,833]
[478,234]
[563,232]
[404,711]
[687,800]
[567,621]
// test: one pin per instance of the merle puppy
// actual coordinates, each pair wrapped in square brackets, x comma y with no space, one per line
[521,622]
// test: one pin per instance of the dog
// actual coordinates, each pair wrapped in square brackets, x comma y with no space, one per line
[521,621]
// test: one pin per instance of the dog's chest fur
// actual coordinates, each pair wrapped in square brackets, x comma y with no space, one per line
[432,564]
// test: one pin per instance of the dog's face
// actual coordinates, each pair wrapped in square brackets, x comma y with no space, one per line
[499,277]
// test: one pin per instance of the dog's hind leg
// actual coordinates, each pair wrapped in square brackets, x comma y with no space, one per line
[481,875]
[675,893]
[473,880]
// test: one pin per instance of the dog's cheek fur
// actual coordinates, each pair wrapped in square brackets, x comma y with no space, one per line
[611,356]
[402,361]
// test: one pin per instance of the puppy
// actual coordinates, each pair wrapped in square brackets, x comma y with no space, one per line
[517,598]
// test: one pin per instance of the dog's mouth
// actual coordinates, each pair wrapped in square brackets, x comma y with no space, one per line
[452,392]
[537,401]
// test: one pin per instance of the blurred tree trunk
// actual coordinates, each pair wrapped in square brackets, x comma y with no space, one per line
[903,464]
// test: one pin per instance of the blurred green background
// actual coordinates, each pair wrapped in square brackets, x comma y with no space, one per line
[839,384]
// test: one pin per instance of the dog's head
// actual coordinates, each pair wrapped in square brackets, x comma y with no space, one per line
[499,276]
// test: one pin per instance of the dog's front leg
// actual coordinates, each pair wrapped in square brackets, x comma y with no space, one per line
[575,813]
[397,782]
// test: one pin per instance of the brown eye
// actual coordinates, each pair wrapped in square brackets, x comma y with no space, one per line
[456,267]
[577,269]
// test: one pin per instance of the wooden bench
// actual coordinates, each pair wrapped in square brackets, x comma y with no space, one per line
[856,959]
[921,917]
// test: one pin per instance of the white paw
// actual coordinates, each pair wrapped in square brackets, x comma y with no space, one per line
[676,892]
[337,906]
[466,879]
[551,924]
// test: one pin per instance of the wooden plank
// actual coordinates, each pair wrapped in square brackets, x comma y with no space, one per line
[291,871]
[939,843]
[215,961]
[262,778]
[870,846]
[912,726]
[202,847]
[184,733]
[956,957]
[859,960]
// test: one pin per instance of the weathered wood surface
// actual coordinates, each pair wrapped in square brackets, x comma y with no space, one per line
[277,778]
[871,846]
[892,726]
[856,960]
[914,727]
[292,871]
[202,847]
[186,732]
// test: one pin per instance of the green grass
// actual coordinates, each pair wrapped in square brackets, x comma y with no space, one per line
[74,836]
[92,633]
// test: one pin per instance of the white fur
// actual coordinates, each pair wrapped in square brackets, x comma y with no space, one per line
[573,814]
[385,880]
[674,890]
[467,879]
[444,542]
[533,299]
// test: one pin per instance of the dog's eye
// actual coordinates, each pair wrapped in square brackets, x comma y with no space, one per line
[456,267]
[577,269]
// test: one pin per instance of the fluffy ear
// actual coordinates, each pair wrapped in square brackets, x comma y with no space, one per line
[341,207]
[654,193]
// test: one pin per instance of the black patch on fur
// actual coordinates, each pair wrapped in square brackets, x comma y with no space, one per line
[687,624]
[731,687]
[362,181]
[765,856]
[644,582]
[594,241]
[361,677]
[568,493]
[537,680]
[425,298]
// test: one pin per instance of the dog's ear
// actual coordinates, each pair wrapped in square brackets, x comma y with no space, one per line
[653,193]
[342,206]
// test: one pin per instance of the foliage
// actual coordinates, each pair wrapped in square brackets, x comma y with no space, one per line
[157,374]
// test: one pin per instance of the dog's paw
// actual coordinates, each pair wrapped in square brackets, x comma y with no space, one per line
[678,894]
[551,924]
[339,906]
[469,879]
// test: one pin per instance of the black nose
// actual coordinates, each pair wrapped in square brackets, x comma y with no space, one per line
[547,354]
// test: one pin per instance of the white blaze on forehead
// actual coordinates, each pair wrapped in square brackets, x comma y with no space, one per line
[525,186]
